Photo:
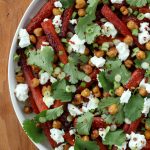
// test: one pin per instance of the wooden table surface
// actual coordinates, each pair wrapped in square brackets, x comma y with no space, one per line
[12,137]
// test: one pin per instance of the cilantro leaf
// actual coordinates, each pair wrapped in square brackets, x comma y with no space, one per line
[42,58]
[66,3]
[133,109]
[137,3]
[148,122]
[85,145]
[115,138]
[59,91]
[35,133]
[84,123]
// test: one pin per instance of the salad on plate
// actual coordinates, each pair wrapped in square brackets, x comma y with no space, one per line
[83,71]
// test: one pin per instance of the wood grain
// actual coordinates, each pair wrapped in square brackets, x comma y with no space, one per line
[12,137]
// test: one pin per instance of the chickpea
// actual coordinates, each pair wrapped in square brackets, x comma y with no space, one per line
[78,99]
[27,109]
[113,109]
[56,11]
[148,45]
[96,91]
[147,127]
[35,82]
[81,12]
[38,32]
[119,91]
[95,134]
[142,91]
[66,147]
[128,40]
[85,138]
[128,63]
[132,25]
[140,55]
[80,4]
[106,94]
[45,89]
[57,124]
[112,52]
[33,39]
[99,53]
[35,69]
[20,78]
[124,10]
[147,134]
[87,51]
[87,69]
[85,92]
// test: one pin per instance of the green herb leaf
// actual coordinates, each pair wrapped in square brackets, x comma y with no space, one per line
[137,3]
[133,109]
[66,3]
[35,133]
[85,145]
[84,123]
[42,58]
[115,138]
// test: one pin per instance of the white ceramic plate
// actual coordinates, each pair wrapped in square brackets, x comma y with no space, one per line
[33,8]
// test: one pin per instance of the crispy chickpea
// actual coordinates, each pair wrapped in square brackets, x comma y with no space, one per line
[96,91]
[87,69]
[66,147]
[46,89]
[78,99]
[124,10]
[35,82]
[87,51]
[57,124]
[95,134]
[112,52]
[99,53]
[33,39]
[148,45]
[56,11]
[147,127]
[140,55]
[119,91]
[132,25]
[142,91]
[20,78]
[80,4]
[38,32]
[35,69]
[27,109]
[85,92]
[113,109]
[128,63]
[85,138]
[106,94]
[81,12]
[147,134]
[128,40]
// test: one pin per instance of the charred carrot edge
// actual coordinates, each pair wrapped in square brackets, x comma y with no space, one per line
[136,78]
[65,19]
[40,40]
[54,40]
[98,122]
[101,145]
[45,12]
[57,104]
[33,105]
[69,138]
[144,10]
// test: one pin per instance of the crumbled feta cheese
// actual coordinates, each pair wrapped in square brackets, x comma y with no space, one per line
[145,85]
[145,65]
[127,121]
[45,43]
[118,78]
[103,132]
[73,21]
[122,147]
[77,44]
[125,97]
[98,61]
[58,4]
[108,29]
[144,27]
[60,147]
[21,92]
[72,131]
[44,77]
[71,148]
[137,141]
[113,127]
[117,1]
[73,110]
[144,37]
[48,100]
[87,79]
[24,38]
[99,83]
[147,15]
[93,103]
[123,50]
[57,22]
[57,135]
[46,19]
[146,107]
[52,79]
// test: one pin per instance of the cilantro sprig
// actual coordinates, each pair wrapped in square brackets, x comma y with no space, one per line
[66,3]
[138,3]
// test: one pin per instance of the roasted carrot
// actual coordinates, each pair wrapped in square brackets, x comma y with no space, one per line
[144,10]
[40,41]
[147,147]
[101,145]
[54,40]
[45,12]
[69,138]
[98,122]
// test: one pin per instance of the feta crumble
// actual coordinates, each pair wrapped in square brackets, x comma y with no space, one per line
[125,97]
[73,21]
[147,15]
[57,22]
[145,65]
[103,132]
[73,110]
[71,148]
[72,131]
[21,92]
[77,44]
[98,61]
[122,147]
[24,38]
[123,50]
[57,135]
[58,4]
[127,121]
[60,147]
[44,77]
[146,107]
[48,100]
[145,85]
[117,1]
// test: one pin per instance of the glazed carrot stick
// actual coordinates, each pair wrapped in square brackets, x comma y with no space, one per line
[45,12]
[101,145]
[69,138]
[40,40]
[54,40]
[65,19]
[98,122]
[144,10]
